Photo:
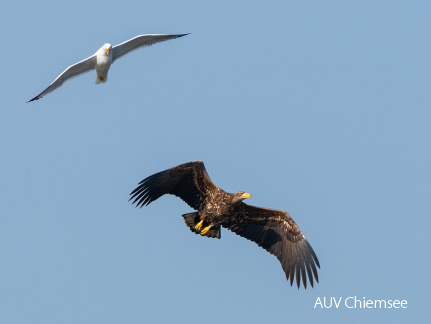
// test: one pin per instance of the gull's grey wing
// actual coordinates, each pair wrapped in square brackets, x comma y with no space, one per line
[72,71]
[140,41]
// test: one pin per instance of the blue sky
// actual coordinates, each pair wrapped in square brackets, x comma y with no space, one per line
[318,108]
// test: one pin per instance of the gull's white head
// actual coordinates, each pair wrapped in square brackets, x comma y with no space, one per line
[107,48]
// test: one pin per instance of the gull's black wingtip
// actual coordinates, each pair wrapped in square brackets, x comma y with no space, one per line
[35,98]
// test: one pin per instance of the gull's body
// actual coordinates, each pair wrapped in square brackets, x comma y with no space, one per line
[103,63]
[101,60]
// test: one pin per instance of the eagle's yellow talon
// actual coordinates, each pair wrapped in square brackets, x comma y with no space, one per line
[205,230]
[199,225]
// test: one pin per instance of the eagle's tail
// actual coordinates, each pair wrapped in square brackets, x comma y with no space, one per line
[192,219]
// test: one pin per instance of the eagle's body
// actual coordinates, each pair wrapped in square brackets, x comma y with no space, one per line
[272,229]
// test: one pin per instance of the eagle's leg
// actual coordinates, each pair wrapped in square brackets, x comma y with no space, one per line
[205,230]
[199,225]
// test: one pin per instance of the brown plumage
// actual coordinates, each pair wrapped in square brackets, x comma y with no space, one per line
[272,229]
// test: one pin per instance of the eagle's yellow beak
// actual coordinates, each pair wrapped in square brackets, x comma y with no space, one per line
[107,51]
[246,195]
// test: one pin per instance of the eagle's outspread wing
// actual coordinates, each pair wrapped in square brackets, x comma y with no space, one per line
[275,231]
[188,181]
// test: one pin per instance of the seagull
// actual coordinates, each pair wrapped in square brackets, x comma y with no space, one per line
[102,60]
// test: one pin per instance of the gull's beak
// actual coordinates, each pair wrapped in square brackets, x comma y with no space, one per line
[107,51]
[246,195]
